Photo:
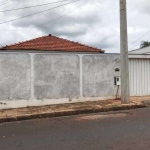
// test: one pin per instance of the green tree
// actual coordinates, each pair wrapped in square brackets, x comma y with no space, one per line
[144,44]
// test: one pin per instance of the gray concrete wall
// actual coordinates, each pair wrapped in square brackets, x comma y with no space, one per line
[56,76]
[14,76]
[98,75]
[48,78]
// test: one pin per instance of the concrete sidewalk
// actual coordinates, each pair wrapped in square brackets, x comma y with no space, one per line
[9,115]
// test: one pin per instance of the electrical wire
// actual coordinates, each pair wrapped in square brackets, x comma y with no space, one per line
[4,3]
[53,19]
[37,13]
[32,6]
[139,38]
[62,15]
[56,18]
[10,4]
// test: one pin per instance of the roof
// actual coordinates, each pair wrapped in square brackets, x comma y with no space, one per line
[52,43]
[144,50]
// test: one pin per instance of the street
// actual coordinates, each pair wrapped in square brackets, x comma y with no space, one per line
[121,130]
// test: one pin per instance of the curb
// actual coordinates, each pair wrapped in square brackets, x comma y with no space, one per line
[69,113]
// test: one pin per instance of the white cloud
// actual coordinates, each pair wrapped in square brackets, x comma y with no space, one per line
[96,23]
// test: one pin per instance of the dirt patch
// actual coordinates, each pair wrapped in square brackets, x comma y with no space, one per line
[99,116]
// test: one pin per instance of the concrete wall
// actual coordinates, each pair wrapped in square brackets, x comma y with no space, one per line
[98,75]
[15,76]
[56,76]
[35,79]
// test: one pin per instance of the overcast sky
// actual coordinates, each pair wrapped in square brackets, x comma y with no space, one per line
[91,22]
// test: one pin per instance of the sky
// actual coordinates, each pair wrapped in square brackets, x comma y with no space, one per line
[91,22]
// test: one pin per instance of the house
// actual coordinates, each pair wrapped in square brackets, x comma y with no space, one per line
[48,70]
[139,69]
[145,50]
[51,70]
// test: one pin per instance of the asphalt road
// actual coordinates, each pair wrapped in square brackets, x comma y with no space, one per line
[122,130]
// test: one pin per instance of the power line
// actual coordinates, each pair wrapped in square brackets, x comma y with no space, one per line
[3,3]
[55,18]
[58,17]
[62,15]
[33,6]
[10,4]
[37,12]
[139,38]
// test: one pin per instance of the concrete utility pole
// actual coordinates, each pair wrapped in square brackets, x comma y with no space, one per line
[125,96]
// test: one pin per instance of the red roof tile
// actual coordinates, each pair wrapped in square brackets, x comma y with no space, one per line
[52,43]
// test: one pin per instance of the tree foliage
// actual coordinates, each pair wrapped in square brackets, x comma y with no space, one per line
[144,44]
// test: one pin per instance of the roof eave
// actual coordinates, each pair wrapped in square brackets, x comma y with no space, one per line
[50,51]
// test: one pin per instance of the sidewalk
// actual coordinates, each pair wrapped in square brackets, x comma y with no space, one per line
[69,109]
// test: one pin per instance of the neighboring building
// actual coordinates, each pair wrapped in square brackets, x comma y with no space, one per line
[52,43]
[145,50]
[139,68]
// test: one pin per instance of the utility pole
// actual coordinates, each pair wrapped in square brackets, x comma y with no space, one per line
[125,96]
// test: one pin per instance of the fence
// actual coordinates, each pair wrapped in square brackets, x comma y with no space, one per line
[33,79]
